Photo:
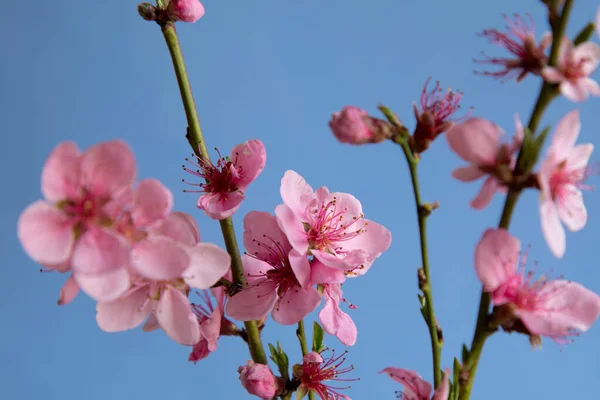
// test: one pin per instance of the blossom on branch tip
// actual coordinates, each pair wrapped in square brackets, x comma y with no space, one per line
[353,125]
[519,39]
[259,381]
[226,182]
[318,374]
[415,387]
[185,10]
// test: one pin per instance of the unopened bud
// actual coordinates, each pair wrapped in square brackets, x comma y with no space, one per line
[353,125]
[147,11]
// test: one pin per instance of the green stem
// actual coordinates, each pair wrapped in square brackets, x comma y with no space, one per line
[304,347]
[423,213]
[545,97]
[196,140]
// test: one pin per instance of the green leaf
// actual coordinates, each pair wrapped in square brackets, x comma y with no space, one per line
[280,359]
[585,34]
[465,353]
[455,380]
[162,4]
[318,336]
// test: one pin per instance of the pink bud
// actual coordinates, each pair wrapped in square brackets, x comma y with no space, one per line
[185,10]
[354,126]
[259,381]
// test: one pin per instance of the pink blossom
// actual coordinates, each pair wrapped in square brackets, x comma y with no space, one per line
[575,65]
[331,226]
[561,178]
[277,276]
[164,266]
[71,228]
[552,308]
[477,141]
[226,182]
[435,116]
[519,40]
[334,320]
[316,374]
[259,381]
[355,126]
[185,10]
[415,387]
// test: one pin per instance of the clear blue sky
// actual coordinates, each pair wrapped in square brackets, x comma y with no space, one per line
[274,70]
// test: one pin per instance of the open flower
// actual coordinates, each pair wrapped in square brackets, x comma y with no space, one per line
[226,182]
[331,226]
[477,141]
[277,276]
[415,387]
[553,308]
[561,178]
[575,65]
[317,374]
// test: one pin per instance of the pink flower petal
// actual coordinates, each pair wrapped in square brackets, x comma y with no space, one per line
[486,194]
[345,202]
[152,202]
[160,258]
[260,229]
[208,263]
[295,304]
[496,258]
[251,156]
[211,328]
[60,176]
[571,209]
[349,261]
[553,231]
[552,75]
[99,251]
[414,384]
[68,292]
[180,227]
[374,240]
[108,286]
[200,351]
[575,91]
[175,316]
[254,302]
[108,168]
[218,208]
[292,227]
[591,86]
[334,320]
[46,233]
[579,157]
[125,313]
[295,192]
[475,140]
[301,267]
[442,392]
[467,174]
[320,273]
[151,324]
[589,53]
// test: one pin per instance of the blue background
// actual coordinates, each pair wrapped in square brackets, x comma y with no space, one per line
[274,70]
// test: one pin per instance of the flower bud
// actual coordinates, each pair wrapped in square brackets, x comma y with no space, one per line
[147,11]
[355,126]
[185,10]
[259,381]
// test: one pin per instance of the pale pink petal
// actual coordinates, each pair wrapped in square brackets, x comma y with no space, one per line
[151,324]
[292,227]
[211,328]
[553,231]
[313,357]
[590,52]
[108,286]
[486,194]
[46,233]
[252,303]
[344,202]
[295,192]
[301,267]
[175,316]
[320,273]
[261,231]
[374,240]
[119,202]
[208,263]
[467,174]
[552,75]
[125,313]
[442,392]
[160,258]
[218,208]
[413,383]
[567,307]
[519,135]
[591,86]
[475,140]
[254,269]
[108,167]
[571,209]
[60,267]
[98,251]
[180,227]
[564,51]
[152,202]
[575,91]
[251,156]
[60,176]
[579,157]
[200,351]
[496,258]
[295,304]
[68,291]
[348,261]
[334,320]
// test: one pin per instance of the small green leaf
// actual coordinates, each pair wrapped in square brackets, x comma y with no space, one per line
[280,359]
[318,336]
[585,34]
[162,4]
[456,380]
[465,353]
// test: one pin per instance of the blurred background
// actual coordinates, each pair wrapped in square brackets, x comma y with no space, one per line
[274,70]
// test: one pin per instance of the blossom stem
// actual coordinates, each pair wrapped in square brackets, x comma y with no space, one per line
[196,140]
[304,347]
[423,212]
[482,329]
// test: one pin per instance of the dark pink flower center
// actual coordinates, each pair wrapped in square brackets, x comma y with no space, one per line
[564,182]
[220,179]
[314,375]
[440,105]
[575,68]
[85,210]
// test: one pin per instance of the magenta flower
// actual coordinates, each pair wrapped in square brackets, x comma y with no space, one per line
[477,141]
[315,373]
[334,320]
[71,228]
[277,276]
[561,178]
[185,10]
[415,387]
[164,267]
[435,116]
[575,65]
[355,126]
[259,381]
[553,308]
[226,182]
[329,226]
[519,40]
